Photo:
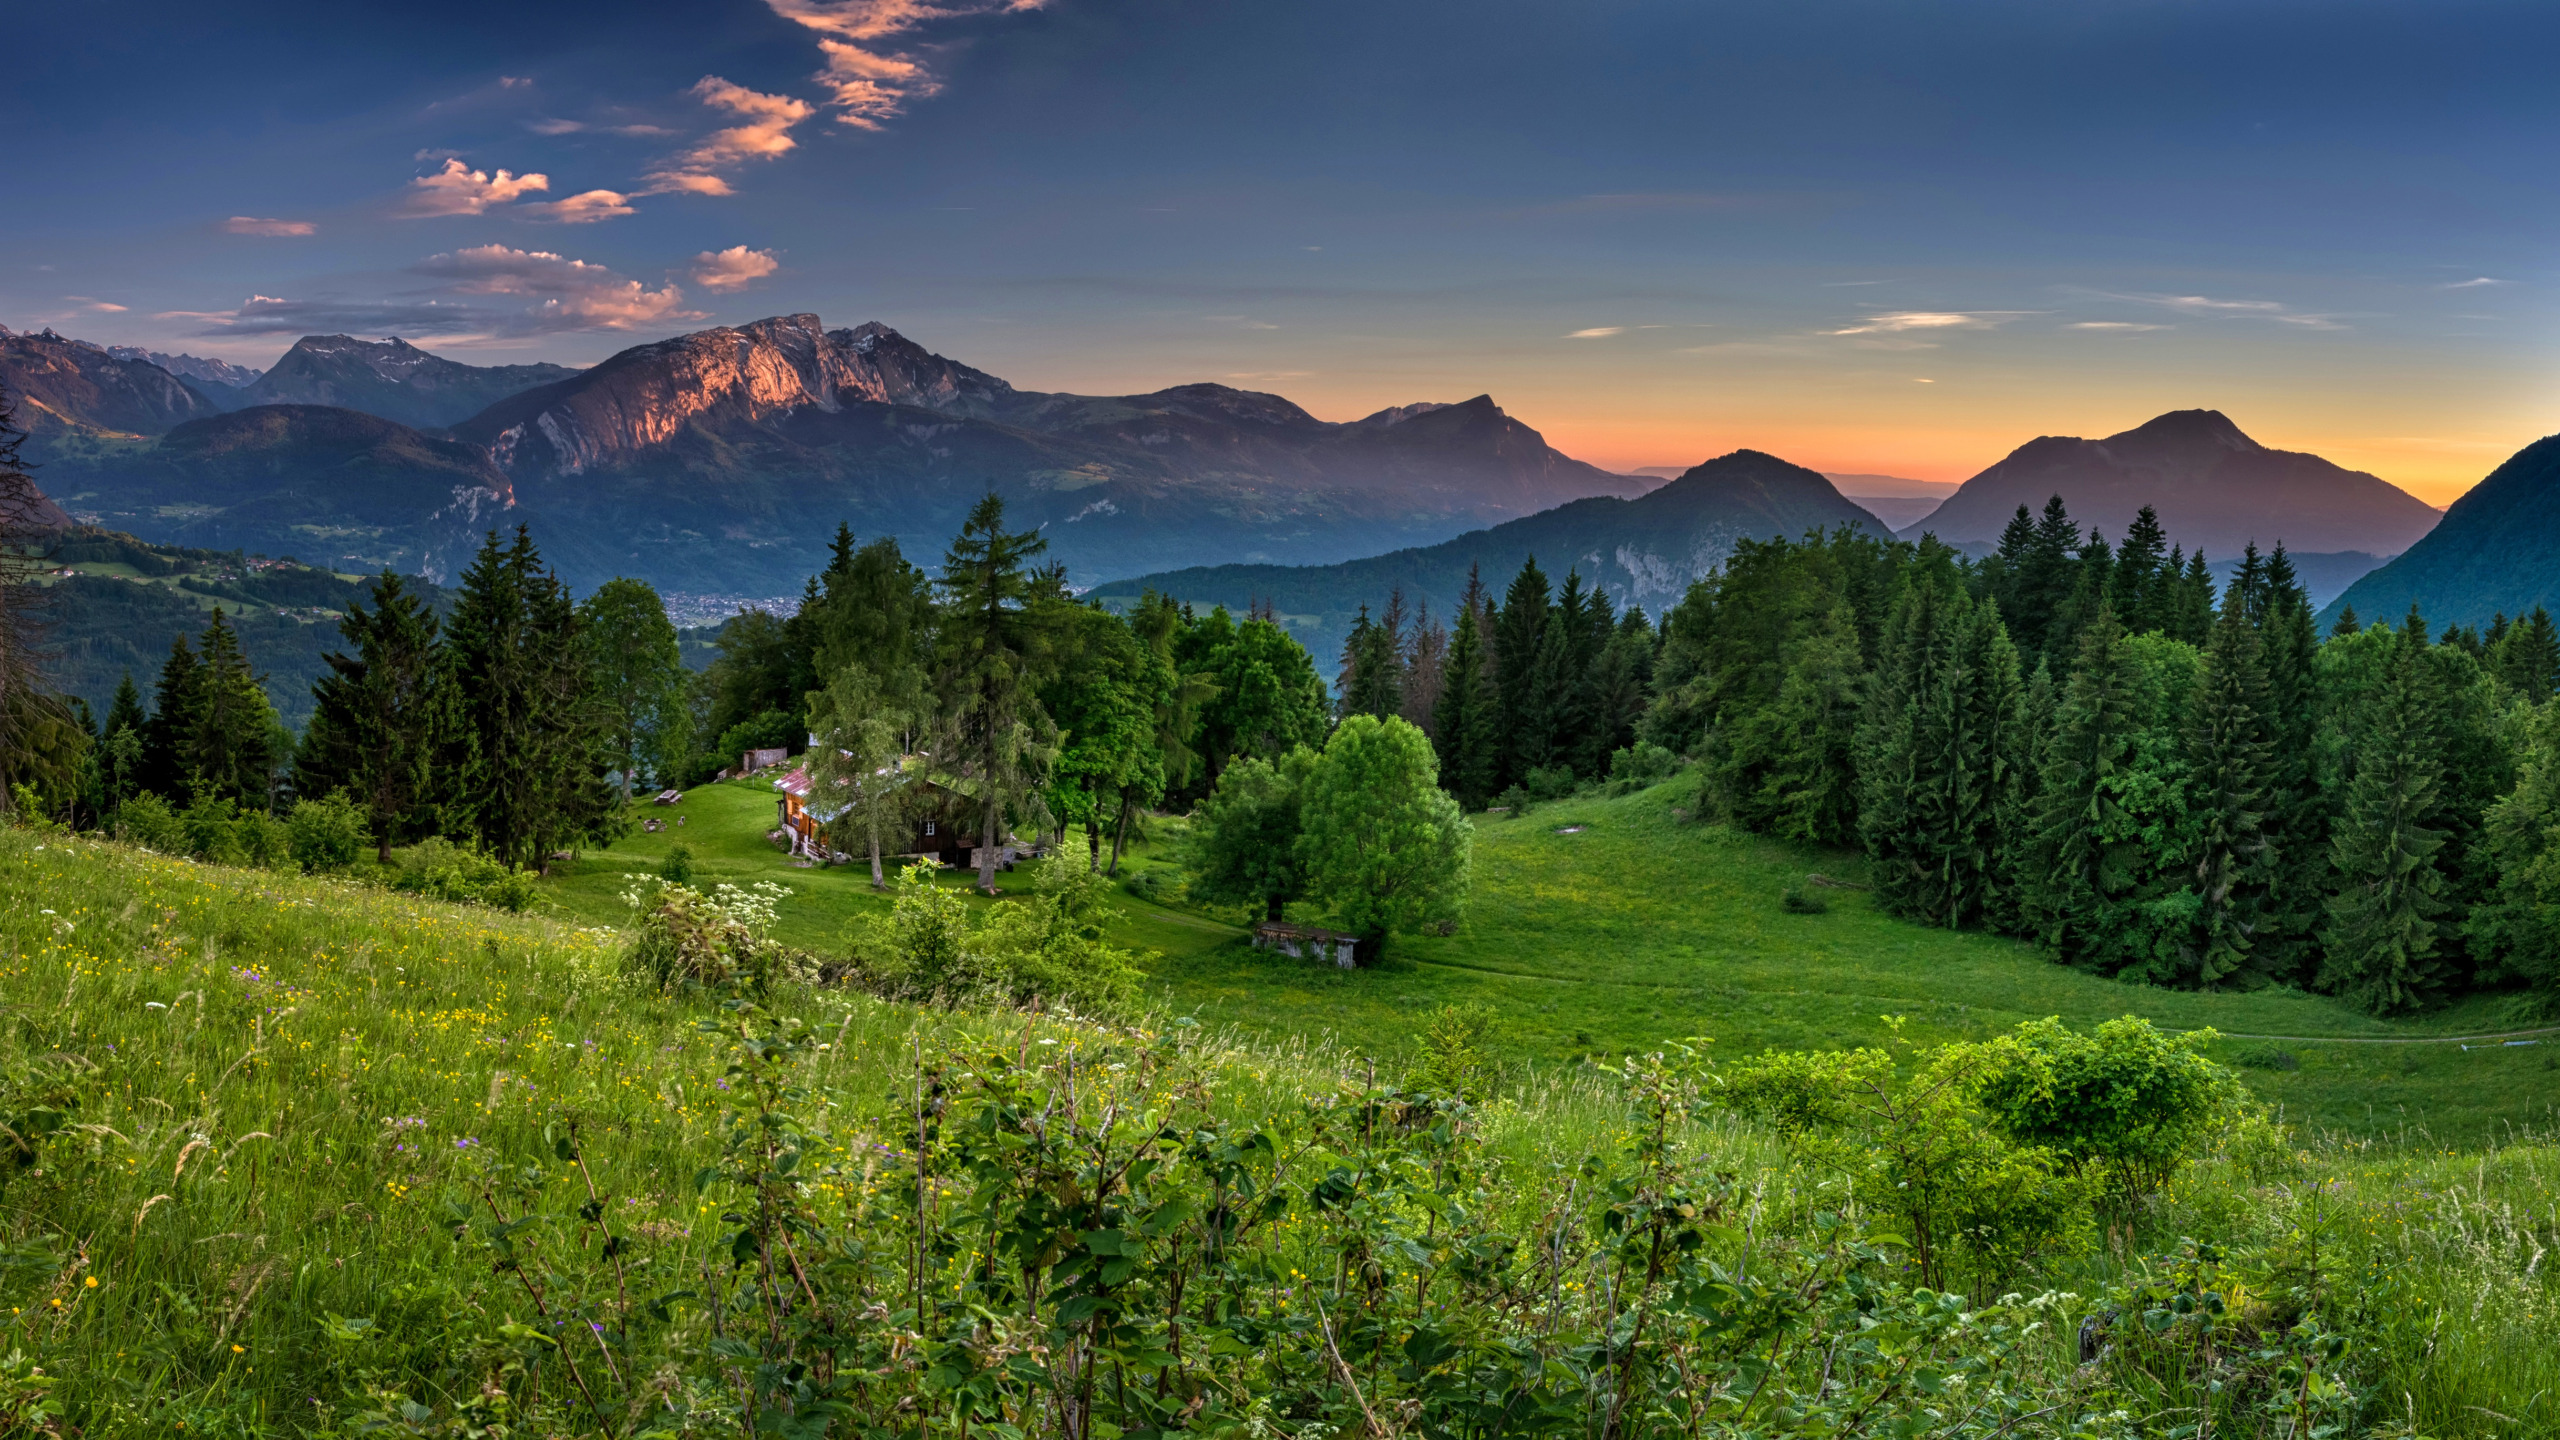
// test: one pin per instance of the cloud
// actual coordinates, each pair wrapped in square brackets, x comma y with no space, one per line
[2120,326]
[1903,320]
[550,294]
[96,307]
[568,294]
[1598,332]
[553,125]
[2207,305]
[252,225]
[870,81]
[763,133]
[458,189]
[733,268]
[2474,283]
[585,208]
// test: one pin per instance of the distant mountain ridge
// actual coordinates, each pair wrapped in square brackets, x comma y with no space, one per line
[191,367]
[2212,485]
[2497,551]
[1644,551]
[64,387]
[390,378]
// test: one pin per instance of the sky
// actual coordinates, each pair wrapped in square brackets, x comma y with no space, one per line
[1889,238]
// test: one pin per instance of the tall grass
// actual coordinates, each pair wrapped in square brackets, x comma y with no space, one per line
[265,1087]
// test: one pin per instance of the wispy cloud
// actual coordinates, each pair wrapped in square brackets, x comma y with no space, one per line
[94,306]
[252,225]
[1902,320]
[733,268]
[553,125]
[1598,332]
[457,189]
[584,208]
[871,81]
[2120,326]
[2474,283]
[547,293]
[2275,311]
[763,132]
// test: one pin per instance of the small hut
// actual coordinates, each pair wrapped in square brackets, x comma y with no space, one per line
[1307,942]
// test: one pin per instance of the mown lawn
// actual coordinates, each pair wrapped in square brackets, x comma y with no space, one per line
[1639,929]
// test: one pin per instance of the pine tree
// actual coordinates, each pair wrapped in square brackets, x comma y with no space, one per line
[1809,791]
[2526,659]
[2138,589]
[1426,655]
[176,701]
[2385,922]
[2077,874]
[2297,818]
[1944,705]
[2347,622]
[2021,800]
[380,714]
[527,759]
[2229,744]
[1000,737]
[2046,581]
[2092,573]
[1464,725]
[2195,596]
[1372,677]
[120,744]
[1564,660]
[227,753]
[1519,633]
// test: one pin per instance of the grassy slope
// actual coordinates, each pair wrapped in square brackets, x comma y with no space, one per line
[1640,930]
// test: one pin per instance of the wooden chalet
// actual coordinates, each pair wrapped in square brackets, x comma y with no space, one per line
[941,823]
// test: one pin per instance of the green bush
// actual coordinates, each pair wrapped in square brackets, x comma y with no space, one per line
[1515,800]
[146,820]
[1640,765]
[685,940]
[263,841]
[2125,1102]
[677,868]
[1797,900]
[1040,951]
[212,831]
[1553,782]
[438,867]
[327,835]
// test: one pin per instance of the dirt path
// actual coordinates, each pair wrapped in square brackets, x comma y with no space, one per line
[2503,1035]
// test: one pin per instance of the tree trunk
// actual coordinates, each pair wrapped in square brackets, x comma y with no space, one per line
[987,850]
[1093,843]
[878,880]
[1120,838]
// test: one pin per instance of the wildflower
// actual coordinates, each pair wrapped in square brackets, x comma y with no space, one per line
[89,1282]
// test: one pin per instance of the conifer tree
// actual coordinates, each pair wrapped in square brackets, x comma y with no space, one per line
[2386,919]
[1809,791]
[2077,876]
[2526,659]
[1562,666]
[2230,743]
[120,744]
[527,754]
[2297,811]
[177,699]
[2347,623]
[1000,737]
[1527,719]
[227,753]
[1945,703]
[2092,573]
[1426,657]
[2193,621]
[2012,909]
[2045,585]
[380,715]
[1372,676]
[2138,589]
[1464,725]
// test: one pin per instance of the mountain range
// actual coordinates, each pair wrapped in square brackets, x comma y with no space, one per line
[1644,552]
[2212,485]
[721,461]
[2497,551]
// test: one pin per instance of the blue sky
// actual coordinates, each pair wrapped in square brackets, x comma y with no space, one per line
[1900,238]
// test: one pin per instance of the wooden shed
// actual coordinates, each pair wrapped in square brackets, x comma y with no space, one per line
[1307,942]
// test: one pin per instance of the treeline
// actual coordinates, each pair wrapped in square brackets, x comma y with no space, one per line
[518,725]
[2089,745]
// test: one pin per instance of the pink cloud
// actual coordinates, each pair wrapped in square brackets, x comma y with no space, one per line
[870,81]
[458,189]
[568,294]
[252,225]
[763,132]
[733,268]
[585,208]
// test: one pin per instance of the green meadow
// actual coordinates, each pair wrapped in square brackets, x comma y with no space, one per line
[1601,926]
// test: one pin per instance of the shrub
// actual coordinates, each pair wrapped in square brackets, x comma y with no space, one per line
[209,826]
[1147,885]
[1550,783]
[1045,949]
[2125,1102]
[146,820]
[327,835]
[1797,900]
[1515,800]
[263,840]
[685,940]
[1640,765]
[1453,1060]
[677,868]
[438,867]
